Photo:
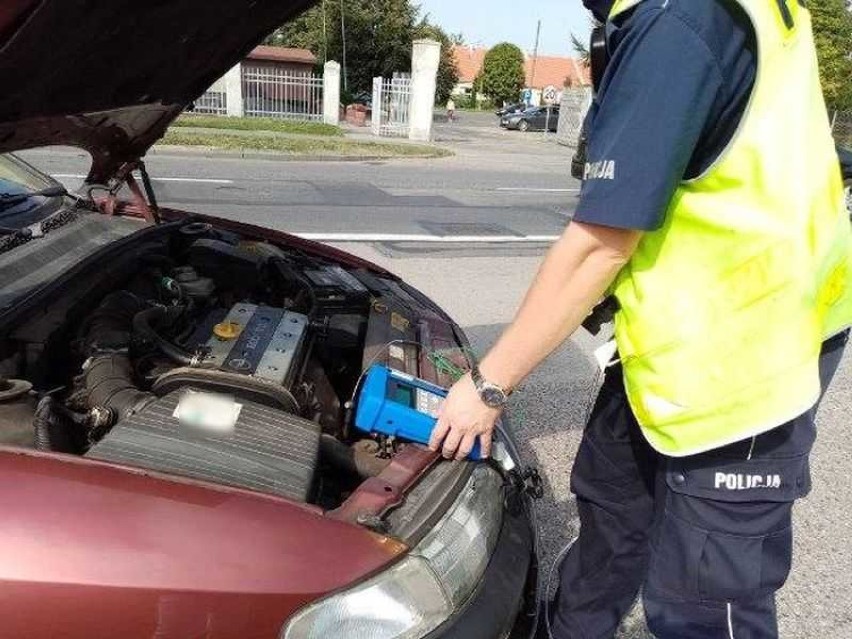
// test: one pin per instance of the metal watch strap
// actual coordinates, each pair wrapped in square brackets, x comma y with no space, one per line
[476,376]
[479,381]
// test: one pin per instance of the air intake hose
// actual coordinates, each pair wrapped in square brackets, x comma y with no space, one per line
[109,382]
[108,375]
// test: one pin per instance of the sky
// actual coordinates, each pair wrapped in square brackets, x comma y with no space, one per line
[487,22]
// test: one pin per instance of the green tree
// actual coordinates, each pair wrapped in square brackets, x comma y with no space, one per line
[448,73]
[378,33]
[833,33]
[502,76]
[581,49]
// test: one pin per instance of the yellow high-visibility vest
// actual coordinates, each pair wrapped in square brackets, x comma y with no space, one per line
[723,309]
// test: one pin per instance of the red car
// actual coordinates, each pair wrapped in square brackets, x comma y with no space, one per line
[177,456]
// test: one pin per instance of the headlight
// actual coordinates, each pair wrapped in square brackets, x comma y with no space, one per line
[420,592]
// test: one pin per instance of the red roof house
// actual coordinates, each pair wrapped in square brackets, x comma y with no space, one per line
[543,71]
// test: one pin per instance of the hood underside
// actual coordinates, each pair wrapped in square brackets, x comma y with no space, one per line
[109,77]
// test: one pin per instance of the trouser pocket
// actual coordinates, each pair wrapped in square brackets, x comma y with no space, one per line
[724,533]
[721,551]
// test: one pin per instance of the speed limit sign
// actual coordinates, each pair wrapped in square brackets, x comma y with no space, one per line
[549,94]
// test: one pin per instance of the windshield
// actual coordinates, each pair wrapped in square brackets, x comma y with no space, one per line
[19,178]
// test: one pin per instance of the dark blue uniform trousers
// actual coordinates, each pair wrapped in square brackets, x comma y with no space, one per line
[707,538]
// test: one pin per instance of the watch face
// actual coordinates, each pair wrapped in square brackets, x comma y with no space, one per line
[493,397]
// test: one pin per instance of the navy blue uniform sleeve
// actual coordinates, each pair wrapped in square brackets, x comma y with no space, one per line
[643,127]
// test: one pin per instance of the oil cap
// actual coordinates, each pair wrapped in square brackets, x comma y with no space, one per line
[227,330]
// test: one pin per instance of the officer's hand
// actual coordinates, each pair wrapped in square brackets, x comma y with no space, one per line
[463,418]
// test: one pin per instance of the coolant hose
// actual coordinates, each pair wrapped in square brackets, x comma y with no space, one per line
[143,326]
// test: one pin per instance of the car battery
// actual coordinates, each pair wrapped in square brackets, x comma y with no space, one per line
[391,337]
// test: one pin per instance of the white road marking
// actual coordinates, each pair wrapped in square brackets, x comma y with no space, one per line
[73,176]
[524,189]
[432,239]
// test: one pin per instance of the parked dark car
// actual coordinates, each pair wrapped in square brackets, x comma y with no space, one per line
[845,155]
[533,119]
[176,452]
[510,109]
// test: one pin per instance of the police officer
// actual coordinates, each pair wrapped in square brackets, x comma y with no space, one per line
[712,210]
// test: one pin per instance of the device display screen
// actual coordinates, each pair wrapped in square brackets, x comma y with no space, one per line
[403,395]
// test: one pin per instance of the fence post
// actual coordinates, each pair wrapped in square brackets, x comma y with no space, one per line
[424,74]
[331,93]
[376,117]
[234,91]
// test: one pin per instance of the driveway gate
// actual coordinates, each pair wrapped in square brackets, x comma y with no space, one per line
[391,106]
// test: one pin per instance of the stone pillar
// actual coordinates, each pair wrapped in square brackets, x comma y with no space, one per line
[424,75]
[331,93]
[234,91]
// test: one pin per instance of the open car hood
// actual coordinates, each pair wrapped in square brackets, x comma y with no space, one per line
[110,76]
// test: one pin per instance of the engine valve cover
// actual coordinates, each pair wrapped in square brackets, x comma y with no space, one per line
[255,340]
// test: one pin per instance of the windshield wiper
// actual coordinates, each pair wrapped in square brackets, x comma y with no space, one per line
[15,198]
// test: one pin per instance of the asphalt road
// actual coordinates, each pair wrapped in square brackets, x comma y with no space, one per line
[480,192]
[481,284]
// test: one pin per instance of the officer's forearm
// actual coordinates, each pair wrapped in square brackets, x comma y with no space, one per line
[574,276]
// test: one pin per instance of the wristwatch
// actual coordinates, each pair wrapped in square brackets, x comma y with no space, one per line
[491,394]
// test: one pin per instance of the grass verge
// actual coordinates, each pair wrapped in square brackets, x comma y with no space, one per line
[303,147]
[257,124]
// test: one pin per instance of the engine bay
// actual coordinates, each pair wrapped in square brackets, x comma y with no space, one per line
[199,319]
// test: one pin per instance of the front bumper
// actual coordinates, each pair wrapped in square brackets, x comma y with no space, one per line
[504,603]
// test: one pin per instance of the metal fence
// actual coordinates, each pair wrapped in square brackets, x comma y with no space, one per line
[392,106]
[212,103]
[279,93]
[841,125]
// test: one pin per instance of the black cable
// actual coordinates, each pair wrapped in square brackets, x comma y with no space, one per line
[289,273]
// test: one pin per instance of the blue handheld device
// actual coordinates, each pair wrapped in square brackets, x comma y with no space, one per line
[400,405]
